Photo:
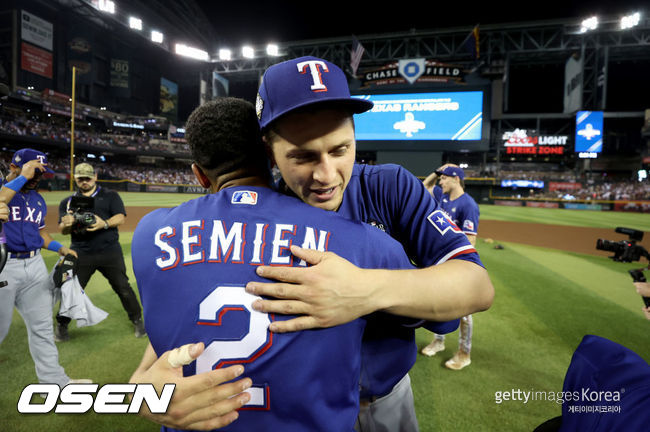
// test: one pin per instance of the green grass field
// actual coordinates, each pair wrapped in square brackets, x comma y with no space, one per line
[582,218]
[546,301]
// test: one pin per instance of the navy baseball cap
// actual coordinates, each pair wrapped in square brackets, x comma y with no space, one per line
[301,82]
[452,172]
[22,156]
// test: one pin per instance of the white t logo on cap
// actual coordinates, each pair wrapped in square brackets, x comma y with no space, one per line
[315,71]
[41,158]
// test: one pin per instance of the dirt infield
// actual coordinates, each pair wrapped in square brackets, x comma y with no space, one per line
[573,239]
[562,237]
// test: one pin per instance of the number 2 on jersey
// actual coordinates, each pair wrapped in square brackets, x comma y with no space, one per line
[225,351]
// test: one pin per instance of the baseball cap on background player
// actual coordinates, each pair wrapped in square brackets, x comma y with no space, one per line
[452,172]
[84,170]
[301,82]
[22,156]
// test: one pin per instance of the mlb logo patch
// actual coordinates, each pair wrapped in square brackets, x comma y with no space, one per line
[442,222]
[244,197]
[468,225]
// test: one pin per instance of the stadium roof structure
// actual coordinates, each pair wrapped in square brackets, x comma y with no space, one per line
[178,20]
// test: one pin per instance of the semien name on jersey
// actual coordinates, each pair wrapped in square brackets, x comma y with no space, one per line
[199,241]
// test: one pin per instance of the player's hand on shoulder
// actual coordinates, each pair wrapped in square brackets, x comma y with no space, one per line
[330,292]
[30,168]
[200,402]
[4,212]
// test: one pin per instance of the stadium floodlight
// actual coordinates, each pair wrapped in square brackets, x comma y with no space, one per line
[106,6]
[156,36]
[225,54]
[589,24]
[191,52]
[630,21]
[272,50]
[135,23]
[248,52]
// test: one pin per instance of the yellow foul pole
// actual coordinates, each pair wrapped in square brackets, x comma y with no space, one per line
[74,73]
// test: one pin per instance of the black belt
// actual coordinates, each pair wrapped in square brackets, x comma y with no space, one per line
[23,255]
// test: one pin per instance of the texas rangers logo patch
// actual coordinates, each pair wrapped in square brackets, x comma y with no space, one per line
[468,225]
[442,222]
[244,197]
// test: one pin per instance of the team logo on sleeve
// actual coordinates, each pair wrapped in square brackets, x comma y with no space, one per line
[244,197]
[468,225]
[442,222]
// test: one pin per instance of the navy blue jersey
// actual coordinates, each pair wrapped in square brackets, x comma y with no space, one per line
[192,263]
[463,210]
[395,201]
[606,388]
[27,212]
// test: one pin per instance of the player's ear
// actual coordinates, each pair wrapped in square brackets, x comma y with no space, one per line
[201,177]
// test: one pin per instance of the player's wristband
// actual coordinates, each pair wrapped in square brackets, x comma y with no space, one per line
[54,246]
[17,183]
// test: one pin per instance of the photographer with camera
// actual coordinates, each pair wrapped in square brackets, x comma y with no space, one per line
[91,216]
[629,251]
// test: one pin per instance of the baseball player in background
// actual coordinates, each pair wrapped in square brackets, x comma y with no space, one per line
[306,115]
[463,210]
[98,245]
[27,277]
[192,264]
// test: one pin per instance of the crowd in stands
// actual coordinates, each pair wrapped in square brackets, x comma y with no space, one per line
[565,176]
[610,191]
[115,139]
[179,174]
[145,174]
[41,125]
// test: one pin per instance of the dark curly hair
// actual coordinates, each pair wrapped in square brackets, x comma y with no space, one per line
[224,135]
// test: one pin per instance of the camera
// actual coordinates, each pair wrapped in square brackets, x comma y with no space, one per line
[627,251]
[82,211]
[84,219]
[624,250]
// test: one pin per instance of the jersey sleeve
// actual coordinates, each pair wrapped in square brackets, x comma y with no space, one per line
[437,193]
[429,236]
[469,218]
[389,254]
[43,204]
